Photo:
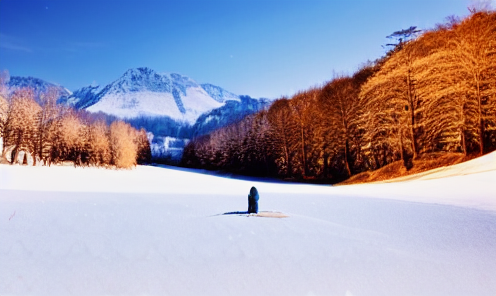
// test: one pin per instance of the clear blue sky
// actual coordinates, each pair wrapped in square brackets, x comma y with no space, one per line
[260,48]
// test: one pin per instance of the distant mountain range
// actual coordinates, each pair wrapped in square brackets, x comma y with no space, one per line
[172,107]
[39,86]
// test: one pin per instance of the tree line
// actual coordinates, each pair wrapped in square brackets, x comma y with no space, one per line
[432,93]
[52,133]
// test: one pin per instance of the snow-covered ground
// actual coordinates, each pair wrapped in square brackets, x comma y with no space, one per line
[160,231]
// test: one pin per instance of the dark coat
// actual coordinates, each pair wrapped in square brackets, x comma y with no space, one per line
[253,201]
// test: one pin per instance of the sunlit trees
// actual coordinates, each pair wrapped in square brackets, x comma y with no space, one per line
[52,133]
[338,106]
[474,52]
[392,104]
[4,108]
[47,124]
[434,92]
[144,153]
[459,85]
[72,138]
[280,141]
[99,144]
[4,105]
[123,145]
[21,123]
[303,116]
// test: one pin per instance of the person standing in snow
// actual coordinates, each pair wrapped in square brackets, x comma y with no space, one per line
[253,201]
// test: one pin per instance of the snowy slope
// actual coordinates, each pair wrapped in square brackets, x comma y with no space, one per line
[144,92]
[159,231]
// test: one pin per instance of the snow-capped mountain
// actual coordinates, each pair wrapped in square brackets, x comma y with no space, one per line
[39,86]
[173,108]
[144,92]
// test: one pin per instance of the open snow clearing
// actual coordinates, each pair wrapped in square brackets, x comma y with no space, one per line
[159,231]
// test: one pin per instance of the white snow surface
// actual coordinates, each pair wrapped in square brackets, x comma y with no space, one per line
[160,231]
[149,103]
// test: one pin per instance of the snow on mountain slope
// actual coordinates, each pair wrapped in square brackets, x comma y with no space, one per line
[219,94]
[144,92]
[158,231]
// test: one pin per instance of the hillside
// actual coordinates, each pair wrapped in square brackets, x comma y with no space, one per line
[430,95]
[428,167]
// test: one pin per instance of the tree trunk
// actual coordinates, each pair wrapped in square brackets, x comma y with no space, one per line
[346,153]
[412,122]
[304,153]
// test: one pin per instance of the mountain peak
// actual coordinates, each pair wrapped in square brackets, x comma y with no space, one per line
[144,92]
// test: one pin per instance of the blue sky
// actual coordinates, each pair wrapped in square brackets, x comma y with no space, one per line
[261,48]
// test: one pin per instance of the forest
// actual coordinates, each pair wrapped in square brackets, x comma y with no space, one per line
[35,126]
[433,92]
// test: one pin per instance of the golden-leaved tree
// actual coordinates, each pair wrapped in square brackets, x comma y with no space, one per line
[21,122]
[48,117]
[72,136]
[281,142]
[99,144]
[123,145]
[459,85]
[302,107]
[337,105]
[392,105]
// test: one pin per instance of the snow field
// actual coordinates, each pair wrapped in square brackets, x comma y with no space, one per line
[159,231]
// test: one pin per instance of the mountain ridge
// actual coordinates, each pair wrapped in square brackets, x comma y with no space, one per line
[145,92]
